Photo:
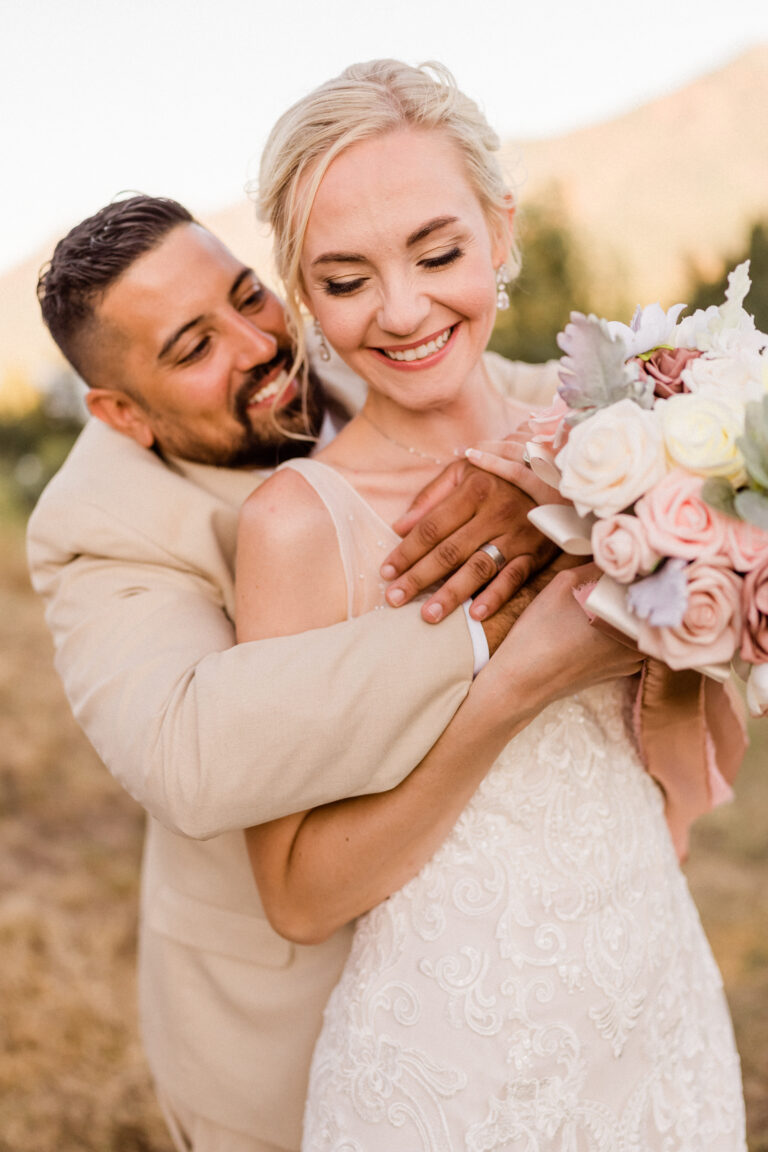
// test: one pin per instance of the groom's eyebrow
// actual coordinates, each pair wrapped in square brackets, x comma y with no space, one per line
[176,336]
[167,347]
[242,275]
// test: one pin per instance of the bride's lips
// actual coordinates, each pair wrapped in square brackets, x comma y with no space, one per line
[419,354]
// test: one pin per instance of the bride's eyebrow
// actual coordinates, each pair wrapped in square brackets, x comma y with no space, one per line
[421,233]
[338,258]
[428,228]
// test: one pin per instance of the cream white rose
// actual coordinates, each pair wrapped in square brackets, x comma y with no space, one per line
[700,431]
[737,379]
[612,458]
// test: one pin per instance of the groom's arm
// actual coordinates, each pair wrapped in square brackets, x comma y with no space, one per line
[209,736]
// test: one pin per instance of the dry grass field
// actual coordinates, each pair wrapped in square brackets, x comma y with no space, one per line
[72,1077]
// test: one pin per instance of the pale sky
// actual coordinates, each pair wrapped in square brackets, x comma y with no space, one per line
[176,97]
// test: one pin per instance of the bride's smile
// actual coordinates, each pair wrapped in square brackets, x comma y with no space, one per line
[418,353]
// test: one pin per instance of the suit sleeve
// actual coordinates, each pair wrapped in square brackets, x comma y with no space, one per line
[210,736]
[533,384]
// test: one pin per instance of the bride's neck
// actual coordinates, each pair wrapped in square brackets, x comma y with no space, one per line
[390,452]
[442,432]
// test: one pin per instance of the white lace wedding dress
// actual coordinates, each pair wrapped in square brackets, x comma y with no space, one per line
[543,984]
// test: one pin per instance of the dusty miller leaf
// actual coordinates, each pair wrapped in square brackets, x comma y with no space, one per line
[720,495]
[753,507]
[753,443]
[593,371]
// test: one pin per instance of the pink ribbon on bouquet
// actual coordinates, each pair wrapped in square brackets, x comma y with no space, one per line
[691,736]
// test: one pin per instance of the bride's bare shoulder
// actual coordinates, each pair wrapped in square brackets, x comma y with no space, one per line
[289,571]
[285,496]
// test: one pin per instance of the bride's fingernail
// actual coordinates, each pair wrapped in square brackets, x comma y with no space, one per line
[472,453]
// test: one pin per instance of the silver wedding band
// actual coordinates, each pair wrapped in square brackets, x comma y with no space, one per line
[495,554]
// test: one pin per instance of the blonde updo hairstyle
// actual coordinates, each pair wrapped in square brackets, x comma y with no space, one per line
[365,101]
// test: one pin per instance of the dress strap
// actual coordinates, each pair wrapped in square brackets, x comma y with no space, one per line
[364,538]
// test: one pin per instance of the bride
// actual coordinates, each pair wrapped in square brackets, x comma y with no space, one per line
[528,971]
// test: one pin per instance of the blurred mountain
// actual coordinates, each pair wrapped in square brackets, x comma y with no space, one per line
[672,185]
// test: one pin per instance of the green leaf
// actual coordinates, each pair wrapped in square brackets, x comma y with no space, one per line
[755,462]
[753,507]
[719,494]
[753,444]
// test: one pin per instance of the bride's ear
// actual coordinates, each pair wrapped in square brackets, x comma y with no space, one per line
[504,231]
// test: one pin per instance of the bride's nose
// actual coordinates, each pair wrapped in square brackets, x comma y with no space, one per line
[403,308]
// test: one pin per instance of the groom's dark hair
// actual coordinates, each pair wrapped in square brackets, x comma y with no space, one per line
[91,257]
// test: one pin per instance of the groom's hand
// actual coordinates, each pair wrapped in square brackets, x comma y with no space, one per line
[499,625]
[444,532]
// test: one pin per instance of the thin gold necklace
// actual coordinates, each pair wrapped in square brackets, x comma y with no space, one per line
[457,452]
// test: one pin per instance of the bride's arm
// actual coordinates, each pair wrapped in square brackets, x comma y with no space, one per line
[317,870]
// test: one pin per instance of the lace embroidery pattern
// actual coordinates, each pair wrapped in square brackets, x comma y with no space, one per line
[543,983]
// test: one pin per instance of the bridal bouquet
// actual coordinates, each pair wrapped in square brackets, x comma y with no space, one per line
[659,441]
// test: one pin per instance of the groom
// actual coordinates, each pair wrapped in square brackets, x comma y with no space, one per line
[185,354]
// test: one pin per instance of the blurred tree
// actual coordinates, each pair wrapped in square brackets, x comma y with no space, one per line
[34,442]
[553,281]
[17,392]
[704,292]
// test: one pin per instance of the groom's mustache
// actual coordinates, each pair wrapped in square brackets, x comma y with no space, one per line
[256,377]
[259,372]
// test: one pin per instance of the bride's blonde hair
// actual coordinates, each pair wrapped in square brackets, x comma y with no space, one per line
[366,100]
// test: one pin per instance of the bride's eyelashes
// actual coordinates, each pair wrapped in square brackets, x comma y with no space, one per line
[444,259]
[342,287]
[334,287]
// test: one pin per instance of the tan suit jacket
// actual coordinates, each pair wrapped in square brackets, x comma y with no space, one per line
[134,556]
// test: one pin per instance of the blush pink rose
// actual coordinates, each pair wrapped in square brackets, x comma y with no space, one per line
[710,631]
[676,520]
[548,426]
[620,548]
[665,368]
[754,600]
[745,544]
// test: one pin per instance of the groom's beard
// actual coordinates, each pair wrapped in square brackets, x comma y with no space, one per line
[266,436]
[273,435]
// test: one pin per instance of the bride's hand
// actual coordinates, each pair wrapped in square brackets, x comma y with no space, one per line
[553,651]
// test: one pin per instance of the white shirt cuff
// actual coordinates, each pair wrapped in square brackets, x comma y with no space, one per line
[479,642]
